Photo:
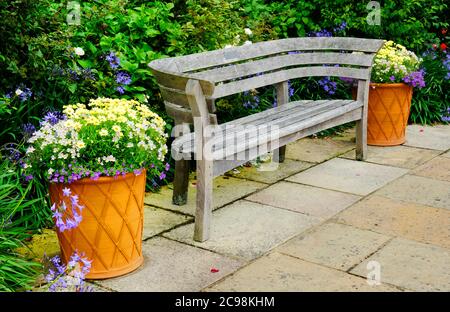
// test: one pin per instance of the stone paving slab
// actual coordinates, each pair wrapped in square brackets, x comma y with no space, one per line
[446,154]
[172,266]
[349,176]
[412,265]
[285,169]
[437,168]
[277,272]
[334,245]
[317,150]
[306,199]
[246,229]
[226,190]
[397,218]
[419,190]
[397,156]
[158,220]
[436,137]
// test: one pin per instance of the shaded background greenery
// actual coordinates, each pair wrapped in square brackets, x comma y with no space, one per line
[37,53]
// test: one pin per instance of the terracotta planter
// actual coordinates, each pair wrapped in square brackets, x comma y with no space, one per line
[110,233]
[389,106]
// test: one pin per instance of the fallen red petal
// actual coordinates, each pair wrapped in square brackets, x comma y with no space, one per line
[214,270]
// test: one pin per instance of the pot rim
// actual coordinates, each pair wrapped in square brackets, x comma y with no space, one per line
[389,85]
[100,180]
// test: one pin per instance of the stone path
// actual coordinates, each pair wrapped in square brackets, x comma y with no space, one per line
[322,222]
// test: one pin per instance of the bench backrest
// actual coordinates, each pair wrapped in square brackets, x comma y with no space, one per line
[233,70]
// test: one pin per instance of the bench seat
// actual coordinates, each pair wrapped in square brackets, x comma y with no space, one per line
[292,118]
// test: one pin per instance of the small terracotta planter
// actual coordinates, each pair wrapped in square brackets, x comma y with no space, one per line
[389,107]
[110,233]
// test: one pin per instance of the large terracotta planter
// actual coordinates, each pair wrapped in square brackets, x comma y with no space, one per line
[389,106]
[110,233]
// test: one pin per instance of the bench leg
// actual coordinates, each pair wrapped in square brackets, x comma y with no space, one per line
[361,139]
[204,200]
[181,182]
[279,154]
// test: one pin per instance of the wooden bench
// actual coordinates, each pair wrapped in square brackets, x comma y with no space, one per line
[190,84]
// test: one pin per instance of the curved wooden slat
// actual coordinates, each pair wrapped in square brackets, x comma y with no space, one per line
[179,97]
[282,61]
[178,81]
[238,86]
[208,59]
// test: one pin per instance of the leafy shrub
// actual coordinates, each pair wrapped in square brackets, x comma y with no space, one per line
[431,104]
[16,273]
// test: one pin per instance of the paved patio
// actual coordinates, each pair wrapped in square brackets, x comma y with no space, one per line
[316,224]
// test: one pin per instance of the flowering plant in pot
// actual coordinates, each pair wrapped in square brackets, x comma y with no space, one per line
[394,74]
[96,158]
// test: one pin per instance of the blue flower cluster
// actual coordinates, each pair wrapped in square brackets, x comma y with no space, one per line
[22,92]
[326,33]
[251,101]
[113,60]
[446,116]
[63,219]
[328,85]
[69,277]
[123,79]
[415,79]
[75,74]
[53,117]
[446,63]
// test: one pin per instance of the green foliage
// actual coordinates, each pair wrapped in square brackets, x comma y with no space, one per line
[209,25]
[430,103]
[16,273]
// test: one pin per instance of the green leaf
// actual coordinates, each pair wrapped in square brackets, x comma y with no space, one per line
[72,87]
[85,63]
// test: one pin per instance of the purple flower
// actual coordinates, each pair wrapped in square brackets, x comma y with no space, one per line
[392,78]
[415,79]
[328,86]
[123,78]
[291,89]
[120,89]
[347,80]
[113,60]
[28,129]
[446,64]
[53,117]
[96,175]
[320,33]
[73,74]
[88,74]
[28,177]
[167,167]
[74,199]
[26,94]
[341,27]
[73,259]
[162,176]
[66,192]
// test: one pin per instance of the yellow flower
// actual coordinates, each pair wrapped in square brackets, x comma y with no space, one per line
[103,132]
[116,128]
[80,144]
